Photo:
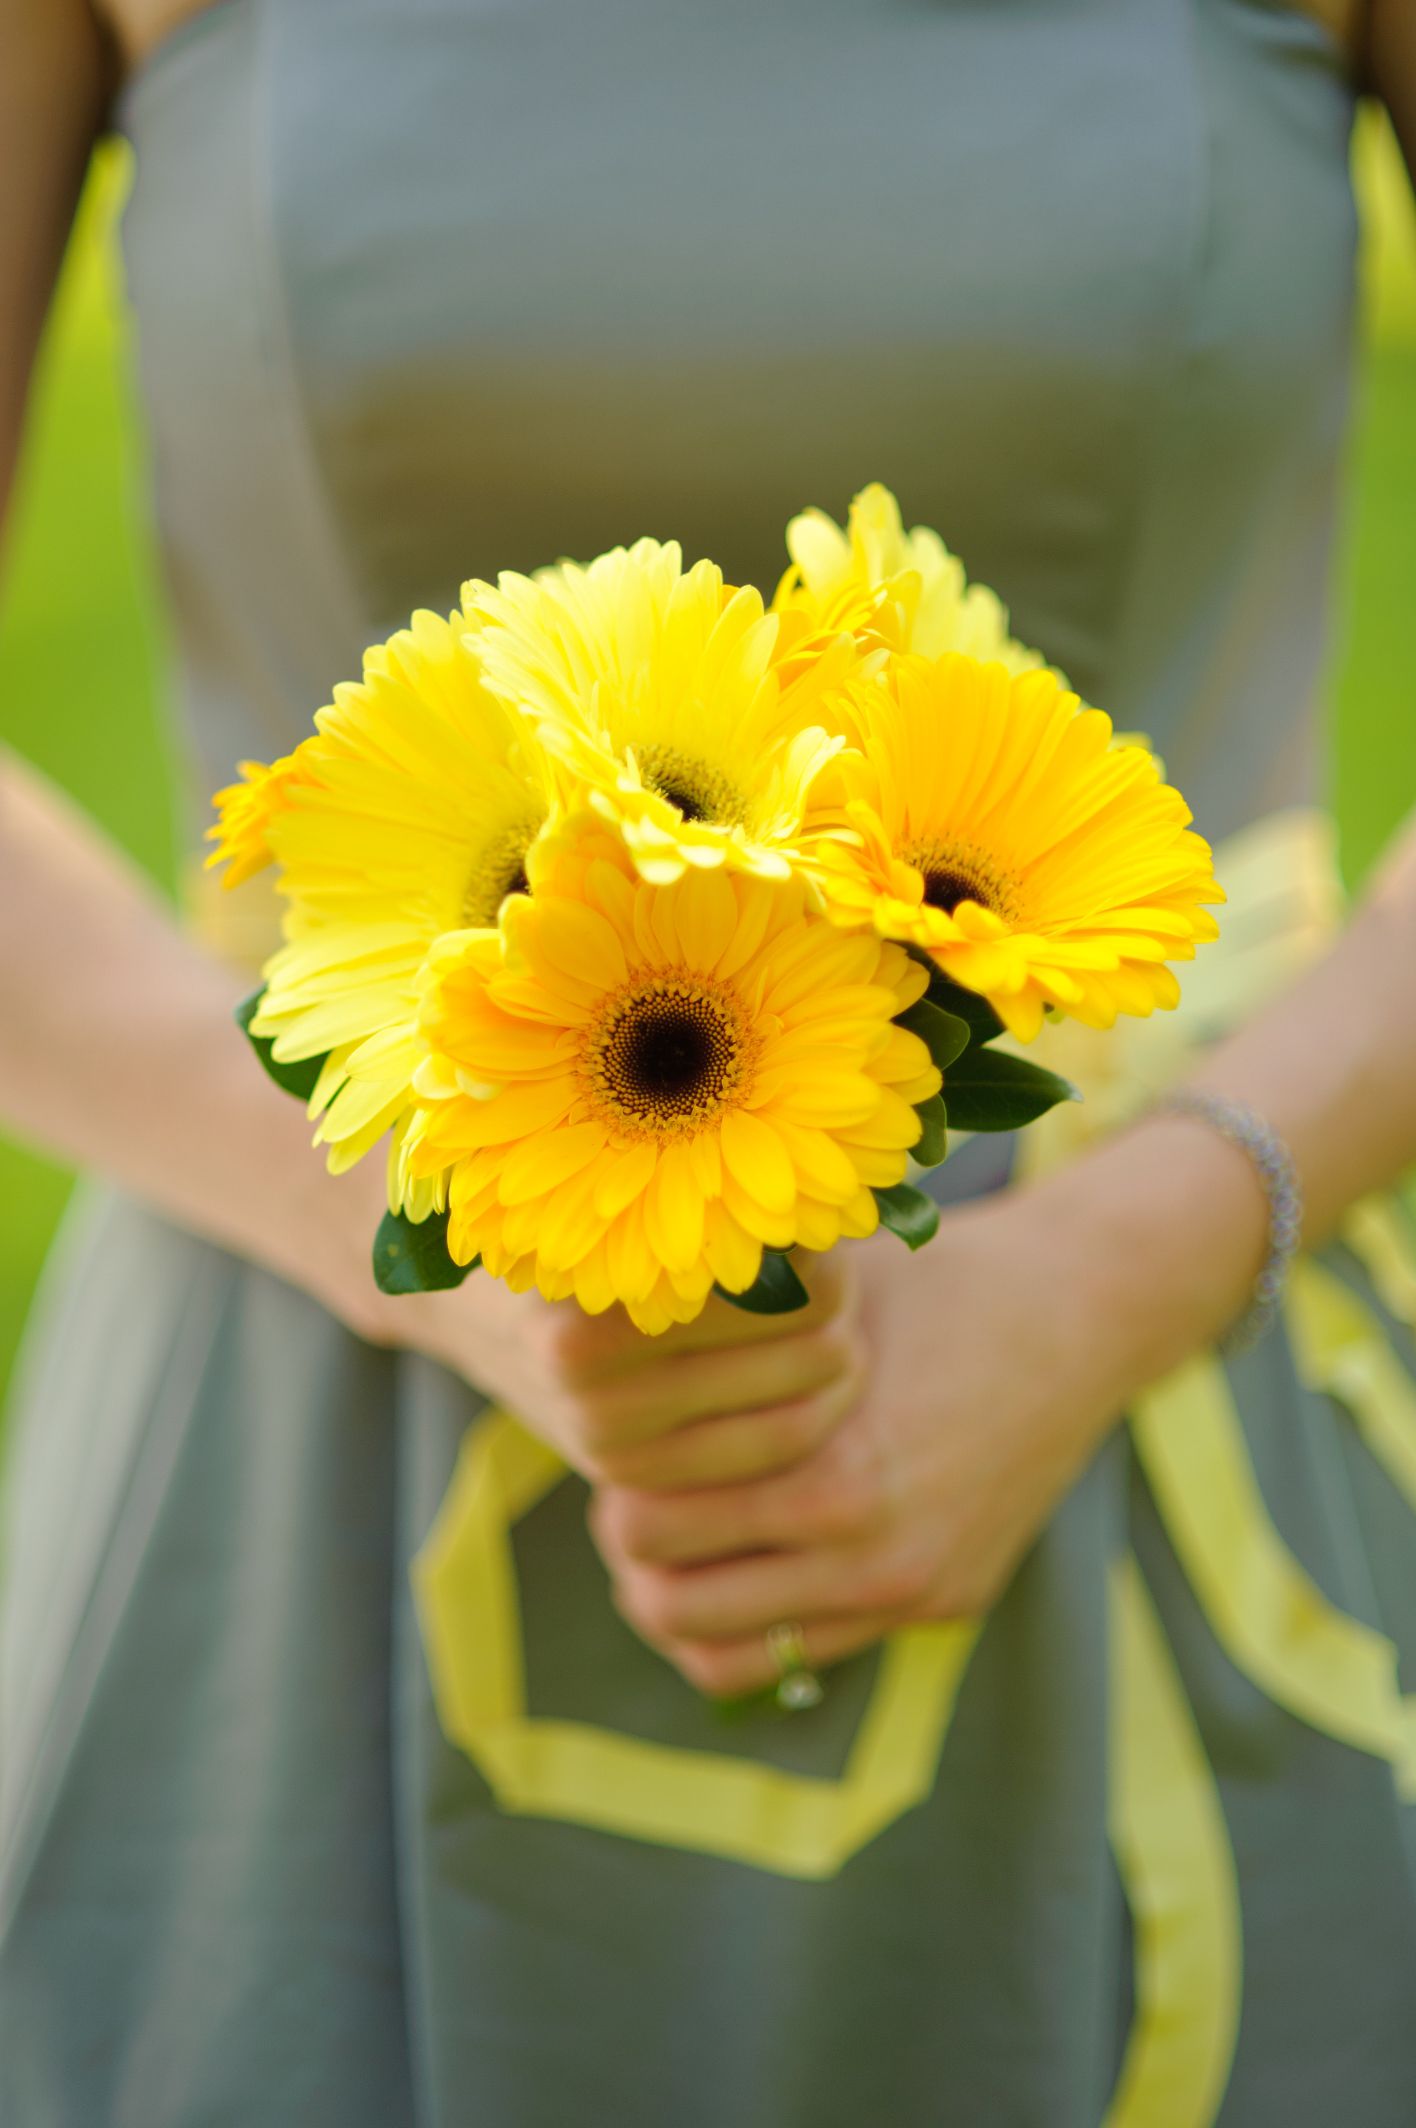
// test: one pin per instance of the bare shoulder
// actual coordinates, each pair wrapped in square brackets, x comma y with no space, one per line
[137,27]
[36,35]
[1389,65]
[56,78]
[1346,20]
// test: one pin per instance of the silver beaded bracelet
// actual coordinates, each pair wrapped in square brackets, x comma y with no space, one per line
[1274,1165]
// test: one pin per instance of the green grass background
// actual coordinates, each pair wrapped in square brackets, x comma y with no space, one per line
[82,690]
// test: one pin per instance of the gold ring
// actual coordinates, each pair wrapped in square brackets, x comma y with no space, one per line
[798,1686]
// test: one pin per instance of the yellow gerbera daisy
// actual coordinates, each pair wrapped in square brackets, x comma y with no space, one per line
[995,824]
[409,813]
[244,813]
[903,590]
[636,1088]
[661,690]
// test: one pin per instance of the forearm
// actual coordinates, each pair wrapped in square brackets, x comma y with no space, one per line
[1170,1220]
[117,1048]
[1332,1064]
[118,1053]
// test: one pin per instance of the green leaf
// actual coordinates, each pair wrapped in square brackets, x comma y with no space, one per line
[934,1143]
[977,1014]
[907,1212]
[298,1078]
[776,1290]
[411,1256]
[989,1090]
[943,1034]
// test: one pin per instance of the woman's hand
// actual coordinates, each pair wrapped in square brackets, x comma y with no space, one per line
[723,1400]
[998,1358]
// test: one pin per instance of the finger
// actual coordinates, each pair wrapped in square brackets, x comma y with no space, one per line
[730,1381]
[746,1445]
[730,1669]
[846,1492]
[692,1528]
[789,1511]
[607,1348]
[736,1598]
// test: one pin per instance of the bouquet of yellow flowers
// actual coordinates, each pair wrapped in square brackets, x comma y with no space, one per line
[659,929]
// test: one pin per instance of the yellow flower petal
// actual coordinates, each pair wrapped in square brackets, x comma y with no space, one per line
[626,1177]
[997,825]
[540,1165]
[673,1211]
[757,1159]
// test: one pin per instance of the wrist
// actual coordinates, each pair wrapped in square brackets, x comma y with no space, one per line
[1165,1227]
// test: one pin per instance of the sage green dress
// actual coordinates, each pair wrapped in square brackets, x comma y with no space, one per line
[424,288]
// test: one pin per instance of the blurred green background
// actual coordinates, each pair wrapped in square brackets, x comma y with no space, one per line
[82,688]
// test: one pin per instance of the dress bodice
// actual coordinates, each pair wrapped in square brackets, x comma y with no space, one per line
[425,288]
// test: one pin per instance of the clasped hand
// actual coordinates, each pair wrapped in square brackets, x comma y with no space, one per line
[882,1458]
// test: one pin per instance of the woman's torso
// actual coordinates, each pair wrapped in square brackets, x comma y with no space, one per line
[425,290]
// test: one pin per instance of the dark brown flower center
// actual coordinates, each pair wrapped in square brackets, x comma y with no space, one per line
[667,1056]
[696,788]
[686,801]
[955,872]
[946,887]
